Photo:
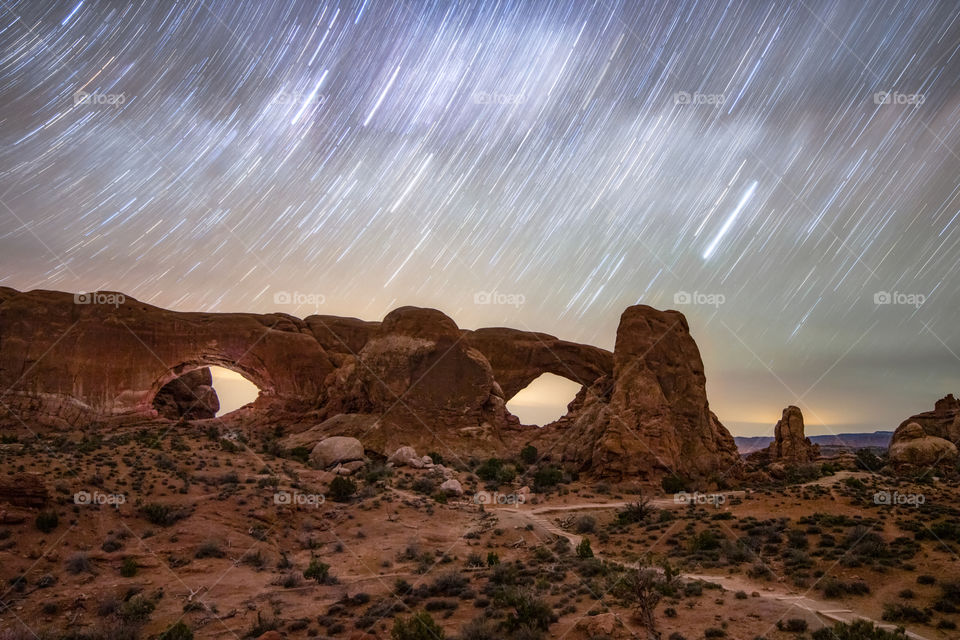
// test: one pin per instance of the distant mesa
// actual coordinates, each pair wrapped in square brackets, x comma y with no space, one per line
[415,379]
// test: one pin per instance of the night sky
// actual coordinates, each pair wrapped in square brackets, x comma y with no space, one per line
[540,165]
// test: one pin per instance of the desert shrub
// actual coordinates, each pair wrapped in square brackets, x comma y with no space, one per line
[492,559]
[926,579]
[546,477]
[419,626]
[528,611]
[129,567]
[793,625]
[319,571]
[585,524]
[867,460]
[634,512]
[79,562]
[529,454]
[136,610]
[859,630]
[714,632]
[436,457]
[449,584]
[673,484]
[47,521]
[480,628]
[179,631]
[474,559]
[897,612]
[584,550]
[161,514]
[209,549]
[341,489]
[494,470]
[300,454]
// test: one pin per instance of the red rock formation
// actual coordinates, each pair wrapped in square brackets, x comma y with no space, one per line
[520,357]
[942,422]
[65,363]
[24,490]
[413,379]
[789,445]
[191,397]
[430,389]
[651,417]
[911,446]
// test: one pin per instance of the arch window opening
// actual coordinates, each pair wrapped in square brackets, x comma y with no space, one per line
[544,400]
[204,393]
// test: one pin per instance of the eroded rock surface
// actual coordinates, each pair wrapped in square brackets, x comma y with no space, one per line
[790,445]
[191,397]
[415,379]
[651,417]
[912,446]
[942,422]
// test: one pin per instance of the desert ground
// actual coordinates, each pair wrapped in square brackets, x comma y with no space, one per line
[190,529]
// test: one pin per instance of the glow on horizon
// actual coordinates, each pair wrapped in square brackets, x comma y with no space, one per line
[729,221]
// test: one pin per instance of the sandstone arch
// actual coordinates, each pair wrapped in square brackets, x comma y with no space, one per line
[520,357]
[69,363]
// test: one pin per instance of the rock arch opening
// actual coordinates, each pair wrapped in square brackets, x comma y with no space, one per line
[204,393]
[544,400]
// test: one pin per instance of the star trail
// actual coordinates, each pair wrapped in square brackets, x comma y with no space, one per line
[791,162]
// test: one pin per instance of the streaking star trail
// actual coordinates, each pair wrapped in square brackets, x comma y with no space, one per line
[730,220]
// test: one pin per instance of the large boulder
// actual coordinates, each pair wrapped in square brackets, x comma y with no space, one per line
[353,425]
[912,446]
[406,457]
[651,417]
[790,445]
[336,450]
[191,397]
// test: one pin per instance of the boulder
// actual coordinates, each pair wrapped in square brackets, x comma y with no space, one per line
[336,449]
[406,457]
[190,397]
[452,487]
[911,446]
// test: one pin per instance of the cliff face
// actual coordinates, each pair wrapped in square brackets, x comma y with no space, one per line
[413,379]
